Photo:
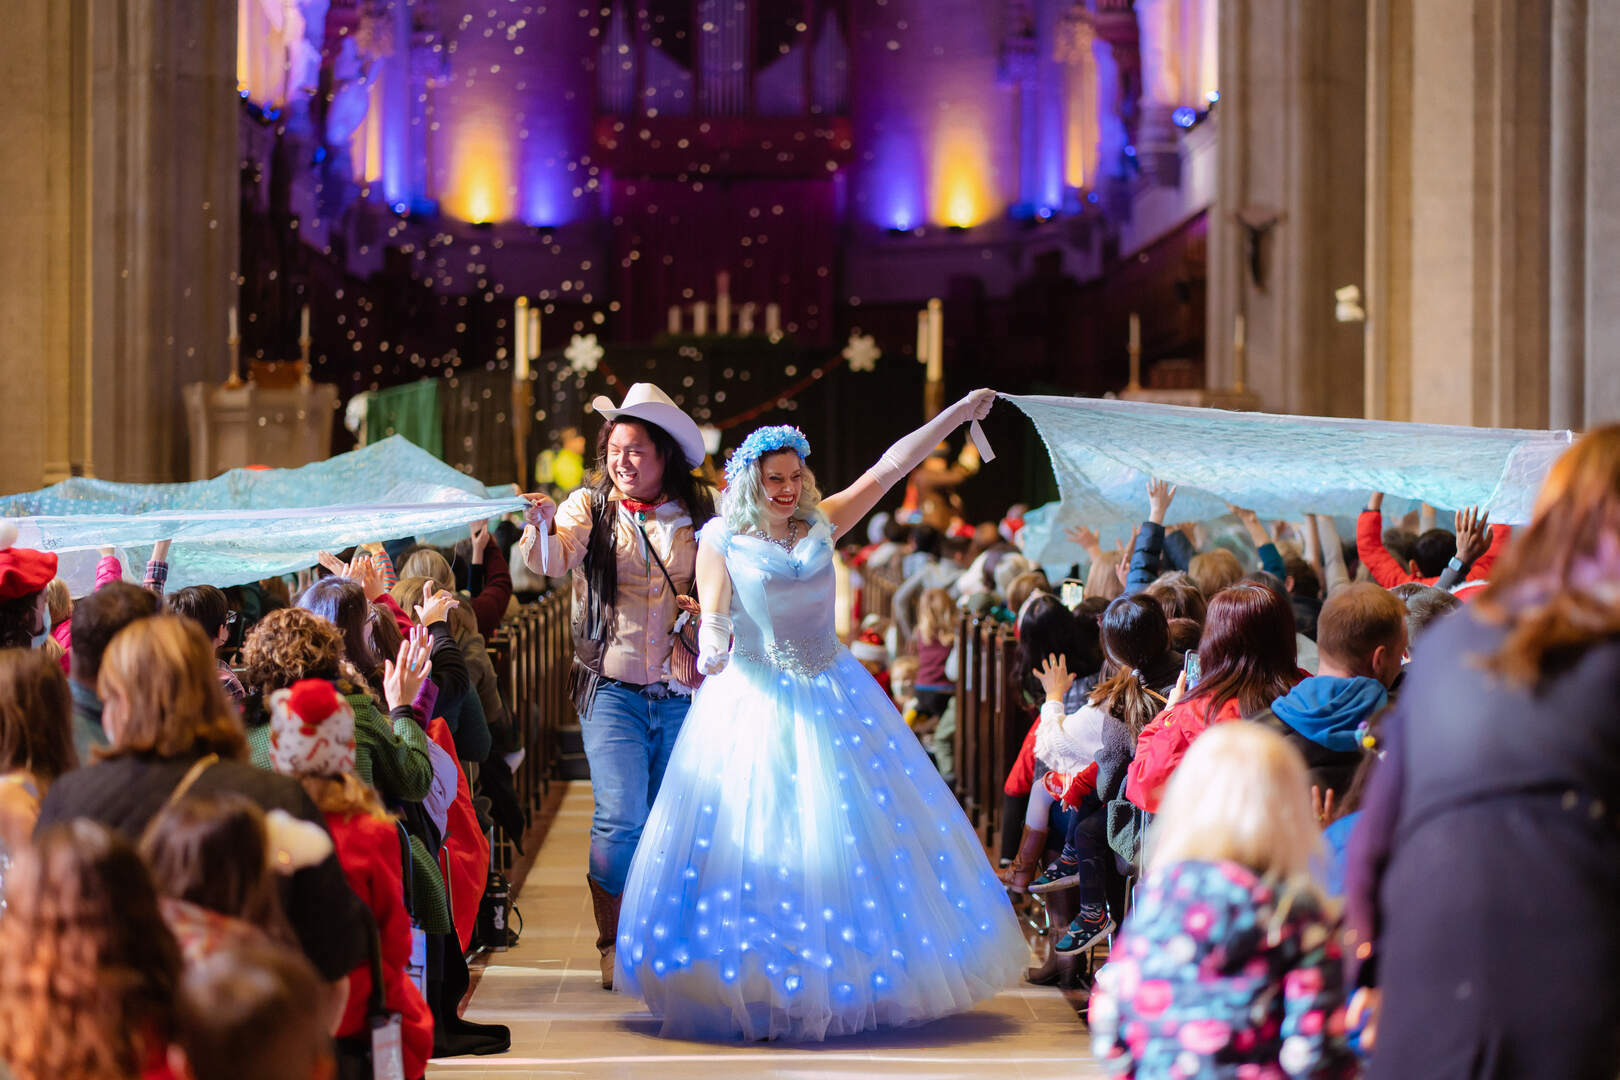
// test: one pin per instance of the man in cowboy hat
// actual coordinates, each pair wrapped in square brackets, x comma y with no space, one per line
[629,537]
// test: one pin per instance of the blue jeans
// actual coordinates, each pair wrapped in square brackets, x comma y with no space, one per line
[628,738]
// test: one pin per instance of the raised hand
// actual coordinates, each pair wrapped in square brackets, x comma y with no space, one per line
[1473,534]
[436,605]
[1160,492]
[976,406]
[1055,677]
[479,531]
[362,571]
[1086,538]
[404,675]
[1322,804]
[1251,522]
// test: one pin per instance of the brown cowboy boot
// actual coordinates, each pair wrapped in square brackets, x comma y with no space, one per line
[605,906]
[1061,907]
[1031,846]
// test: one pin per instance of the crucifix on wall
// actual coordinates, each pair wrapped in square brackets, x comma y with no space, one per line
[1257,222]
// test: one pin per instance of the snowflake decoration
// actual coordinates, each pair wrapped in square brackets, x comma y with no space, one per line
[862,352]
[583,353]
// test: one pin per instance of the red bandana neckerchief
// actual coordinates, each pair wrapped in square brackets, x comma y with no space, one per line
[640,508]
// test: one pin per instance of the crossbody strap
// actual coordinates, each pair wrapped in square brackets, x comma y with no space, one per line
[193,774]
[659,562]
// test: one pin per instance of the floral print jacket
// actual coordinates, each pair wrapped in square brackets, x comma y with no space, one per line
[1219,973]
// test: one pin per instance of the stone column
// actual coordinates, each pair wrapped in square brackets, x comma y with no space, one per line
[44,295]
[1290,156]
[1457,211]
[1566,370]
[163,189]
[1602,397]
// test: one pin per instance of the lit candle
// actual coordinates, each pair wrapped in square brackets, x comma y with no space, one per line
[303,324]
[700,318]
[936,340]
[1240,327]
[674,318]
[520,338]
[745,318]
[773,319]
[534,332]
[922,335]
[232,334]
[1136,331]
[722,302]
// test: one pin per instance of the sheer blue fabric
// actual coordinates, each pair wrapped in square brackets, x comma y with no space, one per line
[805,872]
[246,524]
[1103,451]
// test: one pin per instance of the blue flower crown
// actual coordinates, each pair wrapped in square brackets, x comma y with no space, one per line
[762,441]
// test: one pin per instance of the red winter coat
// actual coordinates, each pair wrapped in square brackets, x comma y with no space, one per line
[372,860]
[464,856]
[1163,743]
[1386,569]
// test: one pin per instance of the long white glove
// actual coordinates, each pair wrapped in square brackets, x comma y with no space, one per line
[911,451]
[714,643]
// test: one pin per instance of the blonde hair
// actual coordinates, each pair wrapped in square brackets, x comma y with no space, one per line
[346,795]
[1214,570]
[160,682]
[58,600]
[1240,795]
[742,504]
[936,618]
[407,591]
[428,563]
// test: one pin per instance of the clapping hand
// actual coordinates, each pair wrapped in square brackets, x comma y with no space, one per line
[1055,677]
[404,676]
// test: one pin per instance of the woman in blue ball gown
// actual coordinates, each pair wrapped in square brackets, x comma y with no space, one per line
[805,872]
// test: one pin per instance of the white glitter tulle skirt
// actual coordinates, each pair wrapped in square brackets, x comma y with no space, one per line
[805,872]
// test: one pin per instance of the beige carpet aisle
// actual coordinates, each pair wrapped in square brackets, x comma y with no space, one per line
[564,1025]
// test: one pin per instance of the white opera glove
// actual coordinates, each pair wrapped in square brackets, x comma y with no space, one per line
[911,451]
[714,643]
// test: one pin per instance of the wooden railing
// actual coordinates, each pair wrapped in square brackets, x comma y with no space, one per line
[532,652]
[877,595]
[991,721]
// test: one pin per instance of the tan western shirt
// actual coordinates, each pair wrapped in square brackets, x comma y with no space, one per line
[640,637]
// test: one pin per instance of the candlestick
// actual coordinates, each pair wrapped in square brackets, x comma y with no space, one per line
[922,335]
[674,319]
[303,323]
[1136,331]
[234,344]
[1135,352]
[773,320]
[520,338]
[936,340]
[700,318]
[722,302]
[1239,350]
[534,332]
[745,318]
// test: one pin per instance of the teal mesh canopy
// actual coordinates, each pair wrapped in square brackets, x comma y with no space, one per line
[1104,451]
[247,524]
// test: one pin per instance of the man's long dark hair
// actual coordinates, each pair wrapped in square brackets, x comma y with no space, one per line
[680,484]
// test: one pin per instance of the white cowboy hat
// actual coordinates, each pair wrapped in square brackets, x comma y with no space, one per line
[646,402]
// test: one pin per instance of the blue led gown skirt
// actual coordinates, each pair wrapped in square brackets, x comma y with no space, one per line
[805,872]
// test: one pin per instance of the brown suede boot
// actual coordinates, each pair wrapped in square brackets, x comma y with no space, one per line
[1027,863]
[606,908]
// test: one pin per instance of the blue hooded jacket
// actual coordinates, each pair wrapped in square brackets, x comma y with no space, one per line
[1327,709]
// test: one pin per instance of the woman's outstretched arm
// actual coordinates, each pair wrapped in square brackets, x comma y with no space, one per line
[845,508]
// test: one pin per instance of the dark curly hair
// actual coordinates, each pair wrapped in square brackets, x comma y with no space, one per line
[88,969]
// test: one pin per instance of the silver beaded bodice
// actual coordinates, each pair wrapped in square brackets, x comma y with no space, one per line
[782,600]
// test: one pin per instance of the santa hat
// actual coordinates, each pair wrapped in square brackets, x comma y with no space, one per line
[22,570]
[311,730]
[870,649]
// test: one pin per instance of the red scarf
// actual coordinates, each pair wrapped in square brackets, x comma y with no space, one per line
[640,507]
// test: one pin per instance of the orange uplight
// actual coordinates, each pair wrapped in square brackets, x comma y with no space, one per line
[480,188]
[961,195]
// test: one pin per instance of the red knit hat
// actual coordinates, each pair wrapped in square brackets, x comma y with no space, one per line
[22,570]
[311,730]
